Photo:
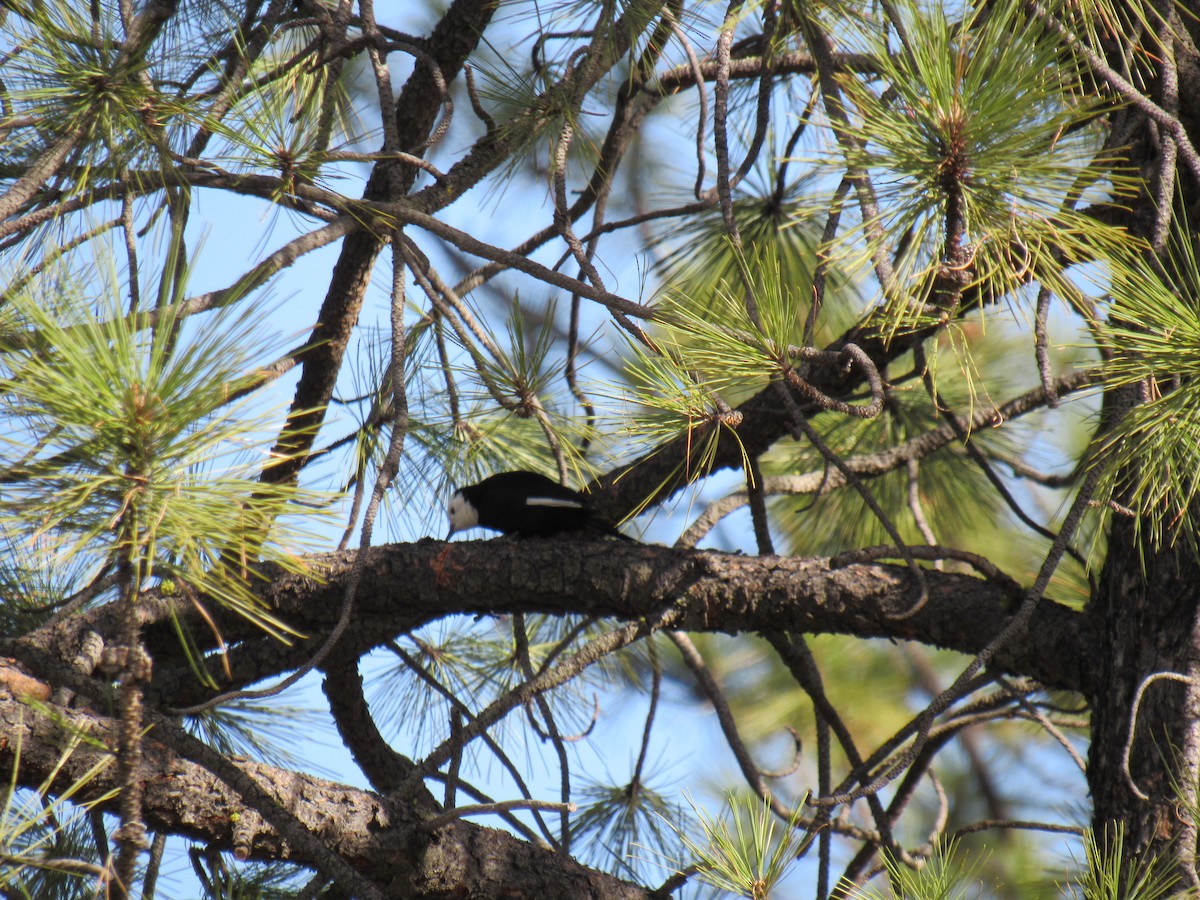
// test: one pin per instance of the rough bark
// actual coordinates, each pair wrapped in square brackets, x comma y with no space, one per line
[1146,609]
[405,586]
[378,836]
[1143,624]
[1146,624]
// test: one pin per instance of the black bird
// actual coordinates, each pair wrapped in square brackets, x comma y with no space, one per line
[525,504]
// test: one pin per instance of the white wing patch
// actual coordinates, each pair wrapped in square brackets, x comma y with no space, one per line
[555,502]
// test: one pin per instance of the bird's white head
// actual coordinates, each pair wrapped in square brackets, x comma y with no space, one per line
[462,513]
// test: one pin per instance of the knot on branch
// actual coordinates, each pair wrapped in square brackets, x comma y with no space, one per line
[726,415]
[130,663]
[247,825]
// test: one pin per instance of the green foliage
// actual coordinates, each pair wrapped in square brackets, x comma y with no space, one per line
[700,264]
[707,353]
[132,446]
[980,124]
[943,876]
[956,499]
[223,879]
[476,662]
[529,96]
[1110,875]
[32,591]
[515,410]
[466,662]
[674,397]
[747,851]
[260,731]
[288,122]
[1151,457]
[615,821]
[44,838]
[128,442]
[75,74]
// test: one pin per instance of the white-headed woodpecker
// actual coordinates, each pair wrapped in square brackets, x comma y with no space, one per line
[525,504]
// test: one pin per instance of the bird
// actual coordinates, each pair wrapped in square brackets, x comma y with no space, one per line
[525,504]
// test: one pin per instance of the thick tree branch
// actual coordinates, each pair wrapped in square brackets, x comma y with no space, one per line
[406,586]
[382,839]
[453,39]
[662,470]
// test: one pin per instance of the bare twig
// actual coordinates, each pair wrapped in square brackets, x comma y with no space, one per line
[386,473]
[521,640]
[801,425]
[484,809]
[967,678]
[1042,719]
[1133,719]
[1127,91]
[875,464]
[914,506]
[708,684]
[565,671]
[460,709]
[1041,348]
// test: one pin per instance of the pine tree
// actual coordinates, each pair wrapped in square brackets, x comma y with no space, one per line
[869,323]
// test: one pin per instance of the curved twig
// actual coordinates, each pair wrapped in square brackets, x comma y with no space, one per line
[1133,718]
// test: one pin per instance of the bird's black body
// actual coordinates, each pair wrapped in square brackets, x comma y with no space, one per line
[525,504]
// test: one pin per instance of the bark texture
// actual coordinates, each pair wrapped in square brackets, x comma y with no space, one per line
[404,586]
[1143,762]
[380,837]
[1146,623]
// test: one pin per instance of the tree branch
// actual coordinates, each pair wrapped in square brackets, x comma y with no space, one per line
[405,586]
[381,839]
